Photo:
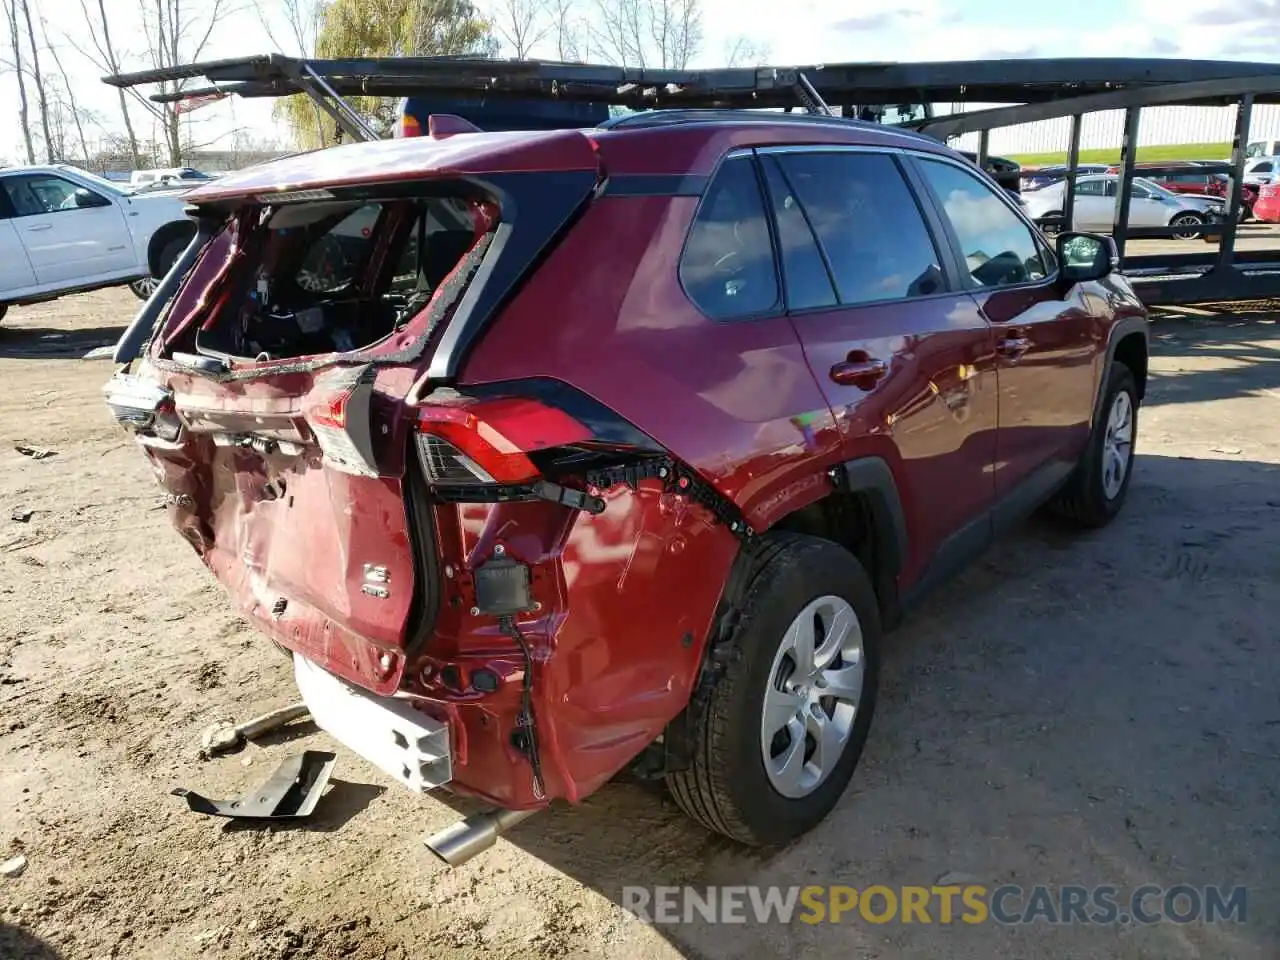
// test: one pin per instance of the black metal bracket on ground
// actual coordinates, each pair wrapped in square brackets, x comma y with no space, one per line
[291,792]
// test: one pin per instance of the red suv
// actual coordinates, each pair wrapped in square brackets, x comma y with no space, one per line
[548,454]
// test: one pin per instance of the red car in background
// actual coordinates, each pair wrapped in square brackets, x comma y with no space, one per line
[1191,178]
[1267,207]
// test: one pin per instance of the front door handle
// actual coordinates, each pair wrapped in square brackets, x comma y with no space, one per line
[40,226]
[859,371]
[1013,347]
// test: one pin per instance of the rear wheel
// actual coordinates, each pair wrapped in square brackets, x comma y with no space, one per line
[1187,220]
[144,288]
[777,740]
[1097,489]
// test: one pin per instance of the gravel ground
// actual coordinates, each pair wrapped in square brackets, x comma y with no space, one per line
[1072,710]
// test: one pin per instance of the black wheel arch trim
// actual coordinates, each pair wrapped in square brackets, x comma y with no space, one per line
[1119,331]
[873,477]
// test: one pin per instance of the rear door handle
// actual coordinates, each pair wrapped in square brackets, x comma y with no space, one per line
[859,373]
[40,226]
[1013,347]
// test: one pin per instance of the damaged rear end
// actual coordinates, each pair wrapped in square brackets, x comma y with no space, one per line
[458,572]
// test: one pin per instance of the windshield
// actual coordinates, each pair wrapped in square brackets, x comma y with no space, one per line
[1154,187]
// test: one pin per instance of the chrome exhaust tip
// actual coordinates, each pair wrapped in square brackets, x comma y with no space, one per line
[459,842]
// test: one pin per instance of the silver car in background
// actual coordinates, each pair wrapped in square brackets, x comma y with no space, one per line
[1095,203]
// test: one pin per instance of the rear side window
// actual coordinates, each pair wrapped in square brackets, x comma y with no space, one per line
[727,266]
[804,274]
[999,249]
[868,223]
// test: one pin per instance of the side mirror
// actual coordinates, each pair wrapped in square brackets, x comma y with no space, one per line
[1086,256]
[87,198]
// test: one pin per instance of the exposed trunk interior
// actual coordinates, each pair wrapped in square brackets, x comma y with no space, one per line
[327,276]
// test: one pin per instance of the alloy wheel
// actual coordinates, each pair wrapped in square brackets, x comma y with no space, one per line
[1117,445]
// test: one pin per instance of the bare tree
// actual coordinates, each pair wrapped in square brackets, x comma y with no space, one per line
[522,24]
[303,18]
[572,31]
[66,92]
[166,24]
[108,61]
[649,33]
[42,101]
[743,52]
[15,41]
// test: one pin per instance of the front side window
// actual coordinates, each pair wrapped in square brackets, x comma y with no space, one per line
[1089,188]
[868,224]
[999,249]
[37,194]
[727,266]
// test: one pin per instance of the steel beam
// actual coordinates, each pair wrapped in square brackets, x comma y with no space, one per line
[943,128]
[1128,149]
[1239,142]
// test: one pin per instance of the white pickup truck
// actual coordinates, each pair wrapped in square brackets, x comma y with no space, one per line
[65,231]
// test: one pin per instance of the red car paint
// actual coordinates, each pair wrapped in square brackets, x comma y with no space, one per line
[1267,207]
[758,410]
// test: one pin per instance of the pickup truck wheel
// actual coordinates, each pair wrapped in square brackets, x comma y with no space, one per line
[779,735]
[1097,489]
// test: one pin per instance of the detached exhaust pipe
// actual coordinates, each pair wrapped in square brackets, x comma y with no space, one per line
[459,842]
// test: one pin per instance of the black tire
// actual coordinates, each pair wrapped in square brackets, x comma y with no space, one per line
[726,787]
[1187,219]
[4,308]
[1084,501]
[1051,227]
[142,289]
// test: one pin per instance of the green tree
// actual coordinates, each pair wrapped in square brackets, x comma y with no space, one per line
[386,28]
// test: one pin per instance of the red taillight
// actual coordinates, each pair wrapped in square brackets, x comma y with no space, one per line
[408,126]
[337,410]
[489,441]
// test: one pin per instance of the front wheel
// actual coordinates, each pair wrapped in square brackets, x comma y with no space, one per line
[1187,220]
[777,738]
[1096,491]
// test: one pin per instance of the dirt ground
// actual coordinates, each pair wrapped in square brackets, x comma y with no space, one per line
[1072,710]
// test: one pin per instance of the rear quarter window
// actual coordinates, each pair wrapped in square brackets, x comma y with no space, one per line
[727,267]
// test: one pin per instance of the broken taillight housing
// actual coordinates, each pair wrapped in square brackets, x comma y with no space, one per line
[338,413]
[489,442]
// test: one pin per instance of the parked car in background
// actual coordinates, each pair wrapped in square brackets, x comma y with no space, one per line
[63,231]
[1151,206]
[1259,170]
[1184,177]
[1262,148]
[1220,183]
[171,175]
[1035,178]
[547,454]
[1267,206]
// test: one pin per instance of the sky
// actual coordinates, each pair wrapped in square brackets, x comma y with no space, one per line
[793,31]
